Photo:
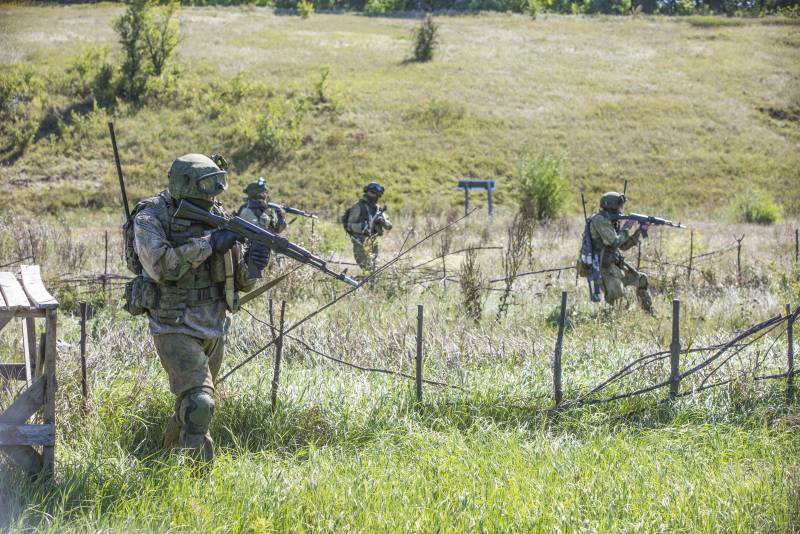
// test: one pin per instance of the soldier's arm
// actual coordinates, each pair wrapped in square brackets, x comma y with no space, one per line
[161,261]
[355,222]
[387,224]
[278,224]
[632,240]
[605,229]
[248,215]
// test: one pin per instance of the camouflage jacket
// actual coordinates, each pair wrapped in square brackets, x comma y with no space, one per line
[267,218]
[608,239]
[359,216]
[176,261]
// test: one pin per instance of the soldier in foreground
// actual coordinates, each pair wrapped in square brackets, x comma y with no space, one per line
[365,222]
[607,239]
[257,210]
[190,278]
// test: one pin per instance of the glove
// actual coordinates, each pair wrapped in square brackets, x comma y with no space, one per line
[257,256]
[222,241]
[627,225]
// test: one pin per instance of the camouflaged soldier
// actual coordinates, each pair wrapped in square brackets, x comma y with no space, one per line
[607,240]
[365,222]
[190,278]
[255,209]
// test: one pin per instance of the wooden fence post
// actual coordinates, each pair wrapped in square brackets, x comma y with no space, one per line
[674,350]
[418,374]
[639,255]
[739,259]
[797,247]
[49,404]
[276,374]
[691,258]
[105,269]
[789,354]
[84,386]
[558,395]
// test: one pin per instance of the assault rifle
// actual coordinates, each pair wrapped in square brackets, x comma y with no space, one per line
[590,259]
[372,220]
[293,211]
[645,219]
[256,234]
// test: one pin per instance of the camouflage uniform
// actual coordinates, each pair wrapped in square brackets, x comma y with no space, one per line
[256,210]
[365,241]
[188,290]
[615,273]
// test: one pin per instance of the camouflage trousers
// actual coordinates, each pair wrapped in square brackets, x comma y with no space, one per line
[366,254]
[616,277]
[192,364]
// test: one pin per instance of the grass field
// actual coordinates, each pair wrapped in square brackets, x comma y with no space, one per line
[674,105]
[690,111]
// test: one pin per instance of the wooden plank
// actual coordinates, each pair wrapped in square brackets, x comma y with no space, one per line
[25,405]
[12,292]
[34,288]
[49,411]
[25,456]
[12,371]
[26,312]
[27,434]
[29,348]
[4,320]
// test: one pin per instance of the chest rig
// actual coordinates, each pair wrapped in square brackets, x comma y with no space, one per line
[608,255]
[209,282]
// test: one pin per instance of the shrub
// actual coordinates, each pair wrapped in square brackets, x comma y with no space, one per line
[275,134]
[161,37]
[543,191]
[426,39]
[472,284]
[305,8]
[439,114]
[756,207]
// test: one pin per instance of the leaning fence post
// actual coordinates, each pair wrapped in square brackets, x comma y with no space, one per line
[789,354]
[797,247]
[691,258]
[418,374]
[84,385]
[105,268]
[674,350]
[562,319]
[276,374]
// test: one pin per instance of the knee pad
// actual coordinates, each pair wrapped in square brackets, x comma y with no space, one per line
[196,410]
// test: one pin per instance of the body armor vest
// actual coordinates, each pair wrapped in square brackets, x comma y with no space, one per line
[608,255]
[202,285]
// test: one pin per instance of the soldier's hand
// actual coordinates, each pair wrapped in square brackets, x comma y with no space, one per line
[258,256]
[628,225]
[643,227]
[222,241]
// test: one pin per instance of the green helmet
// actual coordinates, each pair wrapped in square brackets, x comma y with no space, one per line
[196,176]
[256,187]
[612,201]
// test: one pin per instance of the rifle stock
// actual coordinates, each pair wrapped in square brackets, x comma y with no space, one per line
[256,234]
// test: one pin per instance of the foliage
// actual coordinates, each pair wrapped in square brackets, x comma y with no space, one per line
[543,190]
[305,8]
[472,283]
[426,39]
[756,207]
[439,114]
[275,134]
[22,97]
[147,43]
[323,97]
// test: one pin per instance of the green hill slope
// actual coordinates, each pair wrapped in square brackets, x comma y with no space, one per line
[691,114]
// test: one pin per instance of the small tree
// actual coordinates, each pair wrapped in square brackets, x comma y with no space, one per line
[161,37]
[132,28]
[426,39]
[543,190]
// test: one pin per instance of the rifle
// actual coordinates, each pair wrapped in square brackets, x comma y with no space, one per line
[645,219]
[589,257]
[293,211]
[256,234]
[119,173]
[371,223]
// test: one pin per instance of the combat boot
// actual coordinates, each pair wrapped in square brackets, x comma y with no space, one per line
[172,433]
[199,446]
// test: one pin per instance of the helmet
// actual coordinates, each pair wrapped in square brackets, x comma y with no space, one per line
[612,201]
[258,186]
[374,186]
[196,176]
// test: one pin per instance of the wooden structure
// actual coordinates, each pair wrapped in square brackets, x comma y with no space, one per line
[30,301]
[486,185]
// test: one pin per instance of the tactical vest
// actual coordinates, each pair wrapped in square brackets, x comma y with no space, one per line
[608,255]
[204,284]
[263,215]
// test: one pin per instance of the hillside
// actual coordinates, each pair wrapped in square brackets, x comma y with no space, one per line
[691,111]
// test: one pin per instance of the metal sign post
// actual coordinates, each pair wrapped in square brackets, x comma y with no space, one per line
[486,185]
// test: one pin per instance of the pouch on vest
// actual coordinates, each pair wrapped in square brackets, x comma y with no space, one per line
[140,295]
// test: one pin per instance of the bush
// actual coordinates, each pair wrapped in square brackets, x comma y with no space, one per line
[756,207]
[305,8]
[275,135]
[543,191]
[439,114]
[426,39]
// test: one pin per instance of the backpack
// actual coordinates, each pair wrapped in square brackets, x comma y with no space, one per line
[584,263]
[346,215]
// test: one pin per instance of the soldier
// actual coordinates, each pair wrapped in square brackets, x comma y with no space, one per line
[256,210]
[607,240]
[365,222]
[191,276]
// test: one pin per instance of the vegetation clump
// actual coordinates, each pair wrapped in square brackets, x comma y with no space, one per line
[756,207]
[543,190]
[426,39]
